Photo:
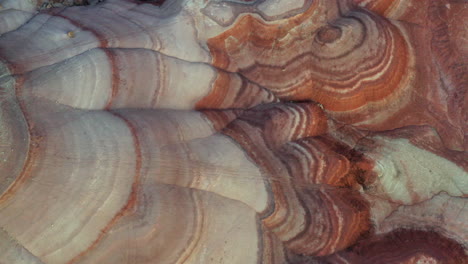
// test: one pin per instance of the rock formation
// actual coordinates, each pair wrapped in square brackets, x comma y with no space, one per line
[234,131]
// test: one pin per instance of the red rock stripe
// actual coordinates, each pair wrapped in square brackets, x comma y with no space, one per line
[115,76]
[35,140]
[219,90]
[380,7]
[405,246]
[200,223]
[132,200]
[102,40]
[323,206]
[221,118]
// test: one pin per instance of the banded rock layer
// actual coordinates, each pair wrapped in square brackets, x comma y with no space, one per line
[261,131]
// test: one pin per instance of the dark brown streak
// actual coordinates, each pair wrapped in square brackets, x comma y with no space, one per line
[115,77]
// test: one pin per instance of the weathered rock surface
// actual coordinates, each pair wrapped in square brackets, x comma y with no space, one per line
[234,131]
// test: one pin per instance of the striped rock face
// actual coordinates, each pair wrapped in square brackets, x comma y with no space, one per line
[234,131]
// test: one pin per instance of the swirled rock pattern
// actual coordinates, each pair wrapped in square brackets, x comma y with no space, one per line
[234,131]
